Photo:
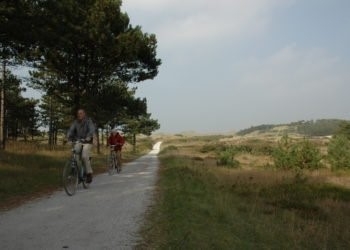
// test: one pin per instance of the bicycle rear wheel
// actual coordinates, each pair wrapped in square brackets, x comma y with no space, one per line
[111,167]
[83,175]
[70,177]
[118,161]
[119,166]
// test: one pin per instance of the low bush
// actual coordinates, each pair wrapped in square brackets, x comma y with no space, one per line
[226,158]
[297,156]
[339,152]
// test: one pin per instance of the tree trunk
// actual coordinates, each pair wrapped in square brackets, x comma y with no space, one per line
[24,131]
[2,106]
[134,142]
[55,136]
[102,137]
[50,123]
[107,136]
[15,132]
[98,141]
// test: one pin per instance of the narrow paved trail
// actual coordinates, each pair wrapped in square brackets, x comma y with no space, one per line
[106,216]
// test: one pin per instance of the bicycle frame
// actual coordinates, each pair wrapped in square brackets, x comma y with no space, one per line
[76,157]
[112,161]
[74,172]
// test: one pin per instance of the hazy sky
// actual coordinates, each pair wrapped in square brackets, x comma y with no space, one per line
[231,64]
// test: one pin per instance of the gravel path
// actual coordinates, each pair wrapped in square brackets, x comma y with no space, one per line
[106,216]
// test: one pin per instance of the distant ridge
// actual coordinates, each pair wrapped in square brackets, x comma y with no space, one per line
[321,127]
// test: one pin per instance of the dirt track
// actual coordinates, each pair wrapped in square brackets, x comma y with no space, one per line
[106,216]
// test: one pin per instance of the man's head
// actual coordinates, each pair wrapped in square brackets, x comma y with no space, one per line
[114,131]
[81,114]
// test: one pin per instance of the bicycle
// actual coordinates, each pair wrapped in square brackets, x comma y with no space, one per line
[74,172]
[112,162]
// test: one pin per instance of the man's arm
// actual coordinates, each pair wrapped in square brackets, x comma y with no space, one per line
[71,131]
[120,140]
[92,130]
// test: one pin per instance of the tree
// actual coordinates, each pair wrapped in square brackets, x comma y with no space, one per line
[80,49]
[142,125]
[108,105]
[297,156]
[15,38]
[339,152]
[21,115]
[54,115]
[138,121]
[344,129]
[86,43]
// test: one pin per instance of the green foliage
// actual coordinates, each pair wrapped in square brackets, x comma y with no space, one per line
[321,127]
[339,152]
[212,147]
[84,54]
[226,158]
[21,115]
[112,102]
[344,129]
[16,29]
[297,156]
[86,44]
[261,129]
[256,148]
[137,120]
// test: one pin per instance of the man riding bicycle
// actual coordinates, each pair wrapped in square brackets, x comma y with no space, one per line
[117,140]
[82,131]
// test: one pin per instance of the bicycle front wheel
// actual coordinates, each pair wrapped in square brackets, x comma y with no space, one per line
[111,164]
[70,177]
[84,180]
[119,166]
[118,161]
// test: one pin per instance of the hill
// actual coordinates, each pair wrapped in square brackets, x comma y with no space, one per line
[321,127]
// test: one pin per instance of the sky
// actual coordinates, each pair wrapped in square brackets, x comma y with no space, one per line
[231,64]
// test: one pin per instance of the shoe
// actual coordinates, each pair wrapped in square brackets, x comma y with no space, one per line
[88,178]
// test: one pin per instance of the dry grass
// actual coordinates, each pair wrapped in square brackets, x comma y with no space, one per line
[249,161]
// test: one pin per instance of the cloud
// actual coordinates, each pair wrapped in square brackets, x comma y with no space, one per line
[184,23]
[293,83]
[235,61]
[293,68]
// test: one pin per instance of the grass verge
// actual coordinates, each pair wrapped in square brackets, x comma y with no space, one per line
[201,207]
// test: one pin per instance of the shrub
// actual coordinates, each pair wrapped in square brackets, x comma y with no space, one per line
[226,158]
[208,148]
[339,152]
[297,156]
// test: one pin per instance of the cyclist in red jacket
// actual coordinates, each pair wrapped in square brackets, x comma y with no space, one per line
[118,141]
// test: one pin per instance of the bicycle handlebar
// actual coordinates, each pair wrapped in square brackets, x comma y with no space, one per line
[78,141]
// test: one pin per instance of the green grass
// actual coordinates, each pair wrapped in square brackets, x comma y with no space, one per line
[24,175]
[27,172]
[199,207]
